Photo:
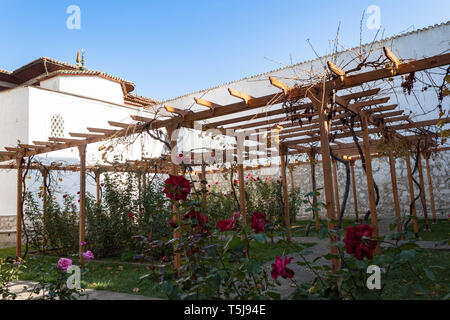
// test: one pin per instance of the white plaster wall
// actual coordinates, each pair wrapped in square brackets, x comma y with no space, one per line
[88,86]
[13,127]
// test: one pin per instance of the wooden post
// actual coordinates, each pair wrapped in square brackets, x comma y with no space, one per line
[291,177]
[321,106]
[44,207]
[97,182]
[287,220]
[430,186]
[203,177]
[395,189]
[411,194]
[355,195]
[19,215]
[422,194]
[82,224]
[242,200]
[312,163]
[370,182]
[336,188]
[175,209]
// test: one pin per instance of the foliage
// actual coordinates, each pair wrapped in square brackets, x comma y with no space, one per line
[9,270]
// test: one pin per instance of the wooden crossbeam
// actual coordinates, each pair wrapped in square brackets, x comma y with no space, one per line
[85,135]
[27,146]
[374,130]
[100,130]
[335,69]
[120,124]
[206,103]
[245,97]
[141,118]
[46,143]
[391,56]
[180,112]
[63,140]
[12,149]
[277,83]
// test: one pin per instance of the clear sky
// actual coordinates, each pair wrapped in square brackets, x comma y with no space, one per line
[169,48]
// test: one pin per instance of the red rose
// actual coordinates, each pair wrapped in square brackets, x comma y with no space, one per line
[102,185]
[130,214]
[200,221]
[65,196]
[164,258]
[358,243]
[173,224]
[226,225]
[279,268]
[78,192]
[177,187]
[259,222]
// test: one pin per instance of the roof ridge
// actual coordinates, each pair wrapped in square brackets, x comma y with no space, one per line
[404,34]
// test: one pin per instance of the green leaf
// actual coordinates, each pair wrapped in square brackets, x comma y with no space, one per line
[407,254]
[253,267]
[260,237]
[273,295]
[429,274]
[232,243]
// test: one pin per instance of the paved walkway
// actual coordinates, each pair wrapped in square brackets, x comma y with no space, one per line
[322,247]
[22,288]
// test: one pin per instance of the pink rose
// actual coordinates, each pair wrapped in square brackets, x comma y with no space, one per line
[88,255]
[64,264]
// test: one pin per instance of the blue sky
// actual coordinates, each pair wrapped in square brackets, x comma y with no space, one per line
[169,48]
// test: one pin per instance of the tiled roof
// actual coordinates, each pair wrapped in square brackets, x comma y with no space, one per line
[82,72]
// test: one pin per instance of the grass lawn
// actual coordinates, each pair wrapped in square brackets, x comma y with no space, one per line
[439,230]
[119,276]
[397,278]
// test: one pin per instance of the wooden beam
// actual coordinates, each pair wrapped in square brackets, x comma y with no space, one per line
[370,181]
[430,186]
[395,189]
[242,199]
[287,219]
[245,97]
[100,130]
[280,85]
[206,103]
[141,118]
[63,140]
[85,135]
[391,56]
[336,70]
[180,112]
[121,124]
[320,106]
[82,223]
[336,188]
[355,194]
[19,214]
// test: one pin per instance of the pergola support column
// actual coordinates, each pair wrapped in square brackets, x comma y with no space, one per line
[287,220]
[242,200]
[395,189]
[336,188]
[430,186]
[82,223]
[44,205]
[97,182]
[19,215]
[318,100]
[355,194]
[312,163]
[369,174]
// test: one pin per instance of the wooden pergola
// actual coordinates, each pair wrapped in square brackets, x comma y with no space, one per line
[372,115]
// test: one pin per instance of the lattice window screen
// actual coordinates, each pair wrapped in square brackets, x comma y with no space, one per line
[57,126]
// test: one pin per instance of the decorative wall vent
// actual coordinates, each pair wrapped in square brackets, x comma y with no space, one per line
[57,126]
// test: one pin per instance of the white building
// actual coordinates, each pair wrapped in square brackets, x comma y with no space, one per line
[49,98]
